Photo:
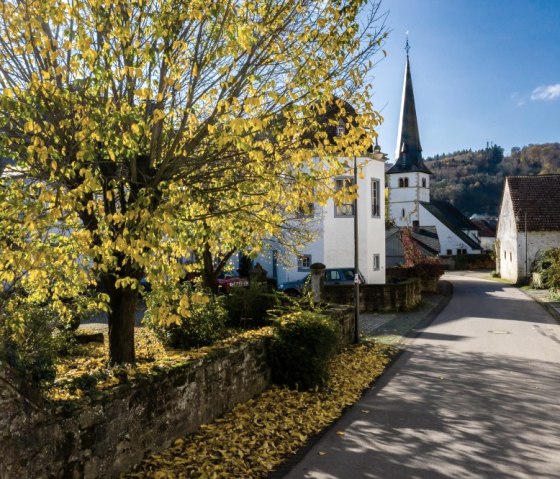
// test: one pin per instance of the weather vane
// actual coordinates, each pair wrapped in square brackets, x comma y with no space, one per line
[407,46]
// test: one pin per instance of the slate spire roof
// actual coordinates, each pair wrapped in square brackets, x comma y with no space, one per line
[409,150]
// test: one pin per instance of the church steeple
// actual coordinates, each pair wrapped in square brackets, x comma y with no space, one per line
[409,150]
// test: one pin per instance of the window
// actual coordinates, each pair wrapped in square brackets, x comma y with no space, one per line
[333,275]
[449,252]
[340,130]
[423,182]
[401,182]
[505,257]
[304,262]
[376,262]
[461,251]
[375,199]
[510,256]
[403,213]
[347,207]
[406,182]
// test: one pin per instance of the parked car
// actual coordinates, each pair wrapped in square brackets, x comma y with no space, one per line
[333,276]
[229,280]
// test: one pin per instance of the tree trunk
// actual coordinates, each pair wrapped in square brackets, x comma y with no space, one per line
[121,322]
[209,274]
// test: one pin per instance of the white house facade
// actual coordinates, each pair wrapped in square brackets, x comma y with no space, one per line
[334,230]
[529,224]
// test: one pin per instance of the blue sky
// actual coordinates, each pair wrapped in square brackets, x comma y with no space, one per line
[482,70]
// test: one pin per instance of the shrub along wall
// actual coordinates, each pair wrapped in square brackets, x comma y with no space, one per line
[378,297]
[98,437]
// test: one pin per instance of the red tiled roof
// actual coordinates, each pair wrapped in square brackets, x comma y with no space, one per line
[537,198]
[485,229]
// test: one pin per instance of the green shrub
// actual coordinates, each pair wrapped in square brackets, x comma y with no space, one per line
[28,343]
[302,346]
[548,264]
[184,317]
[253,302]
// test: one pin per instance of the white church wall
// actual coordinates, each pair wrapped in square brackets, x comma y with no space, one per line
[448,240]
[404,199]
[508,242]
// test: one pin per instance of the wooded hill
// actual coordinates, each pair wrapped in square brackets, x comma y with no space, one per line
[473,180]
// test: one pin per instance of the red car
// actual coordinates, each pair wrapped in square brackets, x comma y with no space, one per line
[229,280]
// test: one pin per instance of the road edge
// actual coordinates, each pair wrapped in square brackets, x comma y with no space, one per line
[446,289]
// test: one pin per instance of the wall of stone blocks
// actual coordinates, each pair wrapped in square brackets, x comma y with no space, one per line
[103,435]
[378,297]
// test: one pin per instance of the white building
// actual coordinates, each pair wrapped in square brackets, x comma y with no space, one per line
[334,228]
[409,187]
[529,223]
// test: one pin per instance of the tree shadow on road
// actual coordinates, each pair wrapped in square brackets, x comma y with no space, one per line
[468,416]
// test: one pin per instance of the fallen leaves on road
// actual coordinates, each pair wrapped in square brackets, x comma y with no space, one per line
[258,435]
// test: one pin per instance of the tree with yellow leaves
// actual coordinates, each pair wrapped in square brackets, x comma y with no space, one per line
[147,129]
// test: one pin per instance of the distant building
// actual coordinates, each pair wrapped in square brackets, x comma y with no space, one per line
[425,238]
[486,233]
[409,187]
[529,223]
[515,149]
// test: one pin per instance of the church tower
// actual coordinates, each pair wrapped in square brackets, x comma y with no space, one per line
[409,178]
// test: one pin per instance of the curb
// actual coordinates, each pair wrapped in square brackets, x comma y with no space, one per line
[284,468]
[446,288]
[545,305]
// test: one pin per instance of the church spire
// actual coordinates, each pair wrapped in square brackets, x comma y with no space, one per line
[409,150]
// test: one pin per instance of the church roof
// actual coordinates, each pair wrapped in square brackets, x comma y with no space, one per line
[425,237]
[409,150]
[538,197]
[451,217]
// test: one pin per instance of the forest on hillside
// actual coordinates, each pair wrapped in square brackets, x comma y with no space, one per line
[473,180]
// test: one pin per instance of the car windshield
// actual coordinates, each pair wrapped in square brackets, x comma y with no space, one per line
[348,274]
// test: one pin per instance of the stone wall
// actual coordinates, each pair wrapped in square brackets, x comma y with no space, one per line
[378,297]
[344,315]
[99,437]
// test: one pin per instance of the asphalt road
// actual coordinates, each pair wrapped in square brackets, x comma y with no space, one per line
[476,395]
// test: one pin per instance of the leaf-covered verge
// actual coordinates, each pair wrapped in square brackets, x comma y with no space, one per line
[85,371]
[259,435]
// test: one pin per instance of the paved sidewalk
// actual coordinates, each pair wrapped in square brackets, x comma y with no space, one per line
[546,300]
[394,328]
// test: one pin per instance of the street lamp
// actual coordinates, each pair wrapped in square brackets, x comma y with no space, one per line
[377,155]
